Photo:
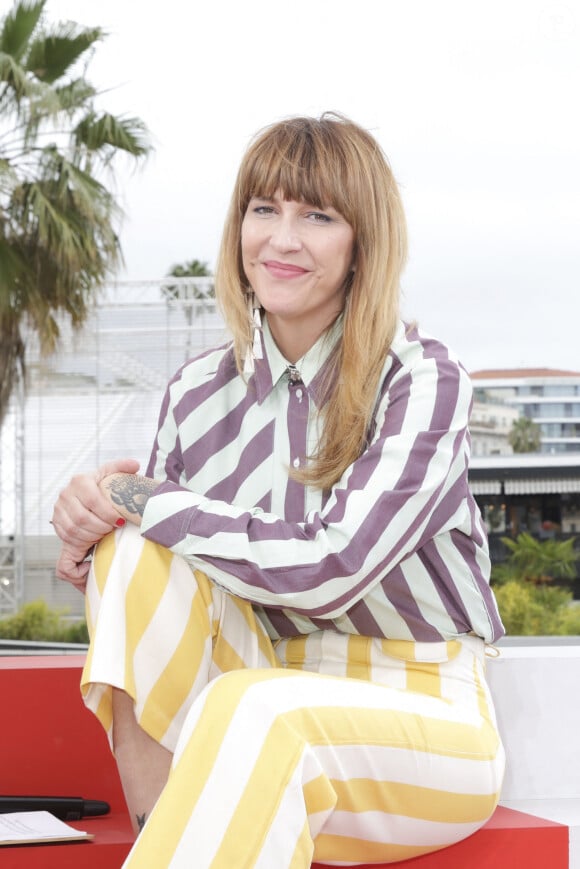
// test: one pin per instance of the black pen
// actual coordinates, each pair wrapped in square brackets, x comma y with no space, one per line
[65,808]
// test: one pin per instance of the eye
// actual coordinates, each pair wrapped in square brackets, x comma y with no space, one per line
[319,217]
[262,210]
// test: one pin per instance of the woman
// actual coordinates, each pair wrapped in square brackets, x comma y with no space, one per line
[297,623]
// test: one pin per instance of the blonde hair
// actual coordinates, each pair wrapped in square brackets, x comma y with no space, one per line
[328,162]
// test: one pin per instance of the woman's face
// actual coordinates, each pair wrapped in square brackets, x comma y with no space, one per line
[297,259]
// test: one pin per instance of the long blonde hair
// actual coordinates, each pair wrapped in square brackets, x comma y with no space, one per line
[328,162]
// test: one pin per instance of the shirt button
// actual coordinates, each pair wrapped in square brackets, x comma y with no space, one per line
[296,463]
[299,393]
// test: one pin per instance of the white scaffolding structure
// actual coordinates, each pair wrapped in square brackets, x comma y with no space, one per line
[12,504]
[96,399]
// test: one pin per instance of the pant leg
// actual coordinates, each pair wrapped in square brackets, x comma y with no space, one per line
[161,632]
[275,768]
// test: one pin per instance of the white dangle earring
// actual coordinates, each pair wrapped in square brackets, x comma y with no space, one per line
[254,350]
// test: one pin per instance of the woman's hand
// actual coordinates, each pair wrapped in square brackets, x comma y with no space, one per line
[73,566]
[128,493]
[83,515]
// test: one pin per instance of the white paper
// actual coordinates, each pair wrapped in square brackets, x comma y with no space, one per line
[34,827]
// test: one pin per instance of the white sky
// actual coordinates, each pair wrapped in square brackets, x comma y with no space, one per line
[475,104]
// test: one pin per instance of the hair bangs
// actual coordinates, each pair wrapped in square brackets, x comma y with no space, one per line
[301,162]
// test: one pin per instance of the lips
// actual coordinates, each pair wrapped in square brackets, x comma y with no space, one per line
[283,270]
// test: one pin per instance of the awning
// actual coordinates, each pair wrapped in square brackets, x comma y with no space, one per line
[485,487]
[541,486]
[526,486]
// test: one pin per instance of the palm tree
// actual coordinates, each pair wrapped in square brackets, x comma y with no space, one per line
[525,435]
[58,241]
[193,268]
[537,561]
[191,296]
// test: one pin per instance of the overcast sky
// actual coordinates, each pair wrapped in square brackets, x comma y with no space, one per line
[475,104]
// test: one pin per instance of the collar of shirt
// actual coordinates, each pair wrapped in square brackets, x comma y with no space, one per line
[273,368]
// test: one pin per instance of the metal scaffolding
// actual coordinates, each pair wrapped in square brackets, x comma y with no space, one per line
[12,504]
[96,399]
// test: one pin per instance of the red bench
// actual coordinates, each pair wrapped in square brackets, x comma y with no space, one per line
[51,745]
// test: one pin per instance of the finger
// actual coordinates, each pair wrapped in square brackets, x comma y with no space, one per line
[80,535]
[82,514]
[72,570]
[82,510]
[81,527]
[118,466]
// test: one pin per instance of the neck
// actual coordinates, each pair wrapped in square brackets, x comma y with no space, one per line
[294,342]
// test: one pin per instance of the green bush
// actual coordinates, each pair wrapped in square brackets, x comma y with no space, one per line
[537,561]
[530,610]
[36,621]
[529,602]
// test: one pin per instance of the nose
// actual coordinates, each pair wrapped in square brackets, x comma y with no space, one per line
[285,235]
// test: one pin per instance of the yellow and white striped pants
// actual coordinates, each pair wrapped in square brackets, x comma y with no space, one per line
[335,748]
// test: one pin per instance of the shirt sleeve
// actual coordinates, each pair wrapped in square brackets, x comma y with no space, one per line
[166,462]
[409,485]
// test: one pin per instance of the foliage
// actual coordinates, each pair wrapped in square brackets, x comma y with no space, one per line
[536,561]
[58,241]
[193,268]
[190,269]
[529,610]
[525,435]
[528,604]
[36,621]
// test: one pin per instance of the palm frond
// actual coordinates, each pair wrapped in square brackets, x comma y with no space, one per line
[8,177]
[73,239]
[12,357]
[14,78]
[42,320]
[52,55]
[19,25]
[74,94]
[108,134]
[12,265]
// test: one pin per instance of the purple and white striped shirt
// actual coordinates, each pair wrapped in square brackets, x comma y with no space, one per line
[396,549]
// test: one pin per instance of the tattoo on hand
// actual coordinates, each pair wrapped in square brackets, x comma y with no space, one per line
[131,492]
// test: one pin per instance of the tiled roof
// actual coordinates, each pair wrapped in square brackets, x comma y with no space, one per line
[506,373]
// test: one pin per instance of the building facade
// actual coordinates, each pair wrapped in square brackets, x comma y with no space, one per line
[490,424]
[549,397]
[536,493]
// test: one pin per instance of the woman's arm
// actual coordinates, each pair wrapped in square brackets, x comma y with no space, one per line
[408,487]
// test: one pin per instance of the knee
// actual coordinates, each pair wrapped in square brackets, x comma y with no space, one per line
[124,556]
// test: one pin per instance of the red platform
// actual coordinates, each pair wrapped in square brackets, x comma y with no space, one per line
[52,745]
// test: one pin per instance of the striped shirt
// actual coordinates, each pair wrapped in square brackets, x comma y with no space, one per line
[396,549]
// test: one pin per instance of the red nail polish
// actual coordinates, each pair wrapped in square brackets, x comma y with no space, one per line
[120,522]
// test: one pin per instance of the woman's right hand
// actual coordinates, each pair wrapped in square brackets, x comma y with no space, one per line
[83,515]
